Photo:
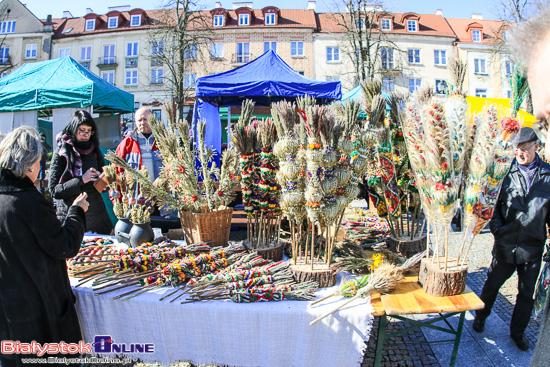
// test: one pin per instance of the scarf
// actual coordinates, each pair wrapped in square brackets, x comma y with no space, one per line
[529,171]
[73,151]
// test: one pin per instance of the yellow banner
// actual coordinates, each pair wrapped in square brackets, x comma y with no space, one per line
[503,106]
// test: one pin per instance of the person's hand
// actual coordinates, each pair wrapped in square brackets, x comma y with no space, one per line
[81,201]
[90,175]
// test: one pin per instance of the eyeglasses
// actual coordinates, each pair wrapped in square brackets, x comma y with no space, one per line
[526,146]
[85,131]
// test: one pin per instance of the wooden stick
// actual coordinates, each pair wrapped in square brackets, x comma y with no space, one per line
[119,287]
[446,246]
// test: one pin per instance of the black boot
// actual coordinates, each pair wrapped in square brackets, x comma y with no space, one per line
[479,324]
[521,342]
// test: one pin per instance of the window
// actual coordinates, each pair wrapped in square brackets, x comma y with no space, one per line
[216,50]
[332,78]
[476,35]
[64,52]
[440,57]
[333,54]
[135,20]
[4,55]
[244,19]
[414,84]
[132,49]
[386,56]
[296,48]
[108,76]
[90,25]
[412,25]
[218,20]
[189,80]
[157,47]
[7,26]
[85,53]
[440,86]
[131,77]
[481,92]
[157,75]
[112,22]
[270,45]
[30,51]
[508,68]
[243,54]
[360,23]
[508,93]
[190,52]
[270,19]
[386,24]
[387,84]
[480,66]
[413,55]
[108,54]
[157,114]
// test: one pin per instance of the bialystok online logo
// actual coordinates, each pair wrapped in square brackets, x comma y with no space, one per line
[102,344]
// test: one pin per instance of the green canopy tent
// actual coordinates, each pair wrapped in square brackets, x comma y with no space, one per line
[60,83]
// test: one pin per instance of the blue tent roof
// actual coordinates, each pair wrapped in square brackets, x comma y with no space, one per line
[266,79]
[356,94]
[60,83]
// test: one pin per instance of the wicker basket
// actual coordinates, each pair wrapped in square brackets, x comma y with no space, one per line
[211,227]
[406,248]
[274,253]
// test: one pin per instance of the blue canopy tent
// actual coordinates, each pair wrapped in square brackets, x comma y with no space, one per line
[265,79]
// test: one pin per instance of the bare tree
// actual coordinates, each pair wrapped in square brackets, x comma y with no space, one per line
[4,13]
[177,42]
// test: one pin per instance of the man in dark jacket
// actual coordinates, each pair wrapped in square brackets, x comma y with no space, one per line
[519,227]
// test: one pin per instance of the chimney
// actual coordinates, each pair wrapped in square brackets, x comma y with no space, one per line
[89,10]
[439,12]
[241,4]
[48,27]
[477,16]
[218,4]
[311,4]
[67,14]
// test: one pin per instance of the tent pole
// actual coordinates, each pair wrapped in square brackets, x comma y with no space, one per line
[229,144]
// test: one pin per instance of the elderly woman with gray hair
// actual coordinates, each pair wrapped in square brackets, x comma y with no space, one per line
[36,301]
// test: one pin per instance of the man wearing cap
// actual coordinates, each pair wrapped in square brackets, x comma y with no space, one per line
[519,228]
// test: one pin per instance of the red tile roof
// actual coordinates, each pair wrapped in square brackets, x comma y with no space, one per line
[491,29]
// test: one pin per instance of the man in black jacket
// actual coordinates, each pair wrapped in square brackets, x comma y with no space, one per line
[519,227]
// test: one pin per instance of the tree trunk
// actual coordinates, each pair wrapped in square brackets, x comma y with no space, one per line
[437,282]
[324,275]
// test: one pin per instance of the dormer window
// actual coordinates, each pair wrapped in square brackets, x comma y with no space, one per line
[90,25]
[270,19]
[476,35]
[112,22]
[412,25]
[244,19]
[218,20]
[360,23]
[386,24]
[135,20]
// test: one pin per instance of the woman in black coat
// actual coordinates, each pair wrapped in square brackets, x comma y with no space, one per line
[74,169]
[36,301]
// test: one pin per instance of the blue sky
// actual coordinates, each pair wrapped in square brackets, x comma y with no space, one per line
[451,8]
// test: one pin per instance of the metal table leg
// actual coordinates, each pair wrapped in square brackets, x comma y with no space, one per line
[457,338]
[380,341]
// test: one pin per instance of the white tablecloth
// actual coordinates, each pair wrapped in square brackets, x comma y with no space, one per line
[227,333]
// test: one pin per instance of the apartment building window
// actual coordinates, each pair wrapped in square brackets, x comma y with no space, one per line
[190,52]
[332,78]
[131,77]
[65,51]
[481,92]
[132,49]
[270,19]
[157,114]
[112,22]
[476,35]
[508,93]
[333,55]
[412,25]
[108,76]
[270,45]
[244,19]
[86,53]
[135,20]
[218,20]
[388,84]
[386,57]
[360,23]
[296,48]
[480,66]
[216,50]
[414,84]
[508,68]
[4,55]
[386,24]
[440,86]
[90,25]
[30,51]
[413,55]
[157,47]
[7,26]
[243,54]
[109,54]
[440,57]
[189,80]
[157,75]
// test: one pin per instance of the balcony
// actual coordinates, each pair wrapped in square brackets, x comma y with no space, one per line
[131,62]
[241,58]
[107,62]
[156,61]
